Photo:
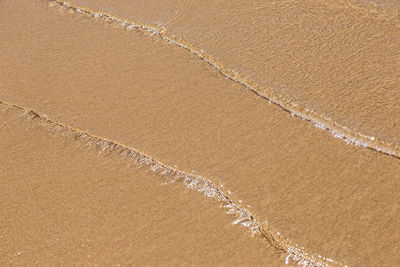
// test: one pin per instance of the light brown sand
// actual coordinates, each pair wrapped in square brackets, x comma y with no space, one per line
[334,199]
[335,62]
[66,204]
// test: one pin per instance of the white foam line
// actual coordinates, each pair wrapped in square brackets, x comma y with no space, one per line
[196,182]
[192,181]
[339,131]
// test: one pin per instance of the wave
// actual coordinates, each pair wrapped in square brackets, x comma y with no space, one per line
[322,122]
[242,216]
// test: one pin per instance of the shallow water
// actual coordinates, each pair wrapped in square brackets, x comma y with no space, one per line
[337,60]
[135,88]
[64,203]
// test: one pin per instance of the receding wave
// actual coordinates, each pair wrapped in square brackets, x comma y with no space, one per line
[242,216]
[325,123]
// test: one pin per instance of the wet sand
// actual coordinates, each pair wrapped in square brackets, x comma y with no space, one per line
[334,62]
[65,204]
[332,198]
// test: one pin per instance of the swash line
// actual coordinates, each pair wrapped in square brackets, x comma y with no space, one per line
[191,181]
[319,121]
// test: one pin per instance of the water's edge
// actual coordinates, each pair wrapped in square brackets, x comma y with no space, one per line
[242,216]
[337,130]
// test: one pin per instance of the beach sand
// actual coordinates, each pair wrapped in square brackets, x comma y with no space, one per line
[65,204]
[307,190]
[333,61]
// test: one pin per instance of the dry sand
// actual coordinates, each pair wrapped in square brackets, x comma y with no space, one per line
[334,199]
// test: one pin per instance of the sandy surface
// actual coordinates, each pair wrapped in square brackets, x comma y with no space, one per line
[328,60]
[334,199]
[65,204]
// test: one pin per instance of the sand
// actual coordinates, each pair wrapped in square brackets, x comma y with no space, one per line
[333,62]
[298,181]
[65,204]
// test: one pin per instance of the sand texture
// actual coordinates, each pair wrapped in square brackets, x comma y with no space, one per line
[227,97]
[335,63]
[65,203]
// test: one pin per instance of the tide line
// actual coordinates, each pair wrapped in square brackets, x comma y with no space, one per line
[242,216]
[334,128]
